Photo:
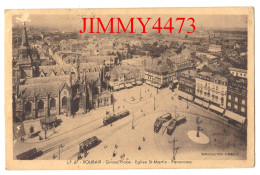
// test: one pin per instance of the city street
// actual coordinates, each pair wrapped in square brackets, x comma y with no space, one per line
[143,113]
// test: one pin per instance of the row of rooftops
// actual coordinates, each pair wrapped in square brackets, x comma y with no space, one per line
[66,69]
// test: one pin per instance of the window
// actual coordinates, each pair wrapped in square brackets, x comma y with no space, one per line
[64,102]
[235,107]
[236,99]
[28,107]
[229,104]
[229,97]
[40,105]
[222,101]
[52,103]
[243,102]
[243,109]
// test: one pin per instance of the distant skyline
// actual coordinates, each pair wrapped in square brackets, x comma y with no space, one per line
[74,22]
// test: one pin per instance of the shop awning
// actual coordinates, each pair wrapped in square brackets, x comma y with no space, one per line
[185,95]
[116,87]
[128,85]
[139,82]
[157,85]
[121,86]
[175,81]
[216,108]
[202,103]
[133,83]
[48,120]
[235,116]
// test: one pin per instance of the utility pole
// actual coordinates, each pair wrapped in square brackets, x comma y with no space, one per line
[60,146]
[175,110]
[133,127]
[187,102]
[174,148]
[140,95]
[154,103]
[198,122]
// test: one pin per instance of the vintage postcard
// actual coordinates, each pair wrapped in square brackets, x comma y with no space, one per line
[129,88]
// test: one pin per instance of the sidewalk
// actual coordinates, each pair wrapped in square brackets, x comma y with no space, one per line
[68,124]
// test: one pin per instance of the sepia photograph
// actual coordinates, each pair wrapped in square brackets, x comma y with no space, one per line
[104,89]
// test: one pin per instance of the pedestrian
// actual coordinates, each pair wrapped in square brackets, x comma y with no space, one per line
[105,146]
[143,139]
[116,146]
[85,154]
[122,156]
[139,148]
[114,154]
[53,156]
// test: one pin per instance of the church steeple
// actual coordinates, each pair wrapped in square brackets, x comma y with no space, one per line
[25,64]
[24,37]
[25,50]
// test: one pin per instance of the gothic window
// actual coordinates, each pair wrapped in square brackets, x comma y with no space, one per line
[28,107]
[40,105]
[243,102]
[235,107]
[242,109]
[64,102]
[52,103]
[229,97]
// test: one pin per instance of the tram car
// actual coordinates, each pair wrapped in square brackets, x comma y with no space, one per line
[109,119]
[171,126]
[122,114]
[87,145]
[161,120]
[180,120]
[29,155]
[114,117]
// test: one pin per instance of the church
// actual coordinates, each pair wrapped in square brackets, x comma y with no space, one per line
[43,91]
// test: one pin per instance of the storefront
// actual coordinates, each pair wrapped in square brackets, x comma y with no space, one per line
[201,103]
[216,109]
[235,118]
[183,95]
[128,85]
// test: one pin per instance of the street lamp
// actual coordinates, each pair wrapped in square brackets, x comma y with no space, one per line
[198,122]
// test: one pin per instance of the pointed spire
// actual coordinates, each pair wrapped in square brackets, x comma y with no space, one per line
[24,37]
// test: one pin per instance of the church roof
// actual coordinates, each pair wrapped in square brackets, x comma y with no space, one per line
[57,69]
[41,89]
[36,80]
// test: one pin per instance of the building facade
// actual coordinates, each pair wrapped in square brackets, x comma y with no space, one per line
[212,88]
[159,75]
[237,96]
[238,72]
[187,81]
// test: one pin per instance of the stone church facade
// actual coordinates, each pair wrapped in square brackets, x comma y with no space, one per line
[42,91]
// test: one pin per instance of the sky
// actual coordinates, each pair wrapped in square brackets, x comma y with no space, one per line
[75,22]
